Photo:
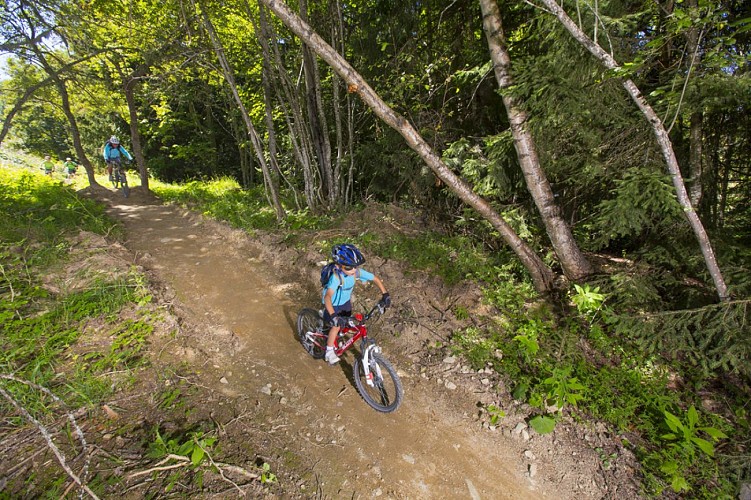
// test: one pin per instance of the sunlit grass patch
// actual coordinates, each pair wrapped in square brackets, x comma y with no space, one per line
[36,207]
[225,200]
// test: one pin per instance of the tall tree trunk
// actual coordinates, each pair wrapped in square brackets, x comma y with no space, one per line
[292,110]
[288,99]
[348,191]
[241,138]
[696,135]
[271,188]
[65,101]
[129,84]
[575,265]
[663,140]
[727,166]
[316,116]
[712,172]
[541,275]
[268,98]
[267,93]
[350,186]
[335,87]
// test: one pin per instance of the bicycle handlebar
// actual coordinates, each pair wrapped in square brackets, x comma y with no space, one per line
[378,307]
[365,317]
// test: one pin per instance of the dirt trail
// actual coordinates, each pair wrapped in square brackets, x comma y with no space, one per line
[427,449]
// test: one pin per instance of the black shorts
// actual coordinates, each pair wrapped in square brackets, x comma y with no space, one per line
[342,310]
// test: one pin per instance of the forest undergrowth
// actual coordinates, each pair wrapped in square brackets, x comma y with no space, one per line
[674,382]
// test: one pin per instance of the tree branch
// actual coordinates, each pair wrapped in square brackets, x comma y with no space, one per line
[45,433]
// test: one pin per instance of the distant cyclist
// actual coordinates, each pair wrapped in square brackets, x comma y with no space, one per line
[113,151]
[69,168]
[47,165]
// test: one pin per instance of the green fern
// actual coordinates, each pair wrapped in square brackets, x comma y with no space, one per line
[642,200]
[716,338]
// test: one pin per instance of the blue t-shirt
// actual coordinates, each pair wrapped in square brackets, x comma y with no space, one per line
[343,293]
[113,153]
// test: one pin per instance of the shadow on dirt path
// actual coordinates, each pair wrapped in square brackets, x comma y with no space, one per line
[249,353]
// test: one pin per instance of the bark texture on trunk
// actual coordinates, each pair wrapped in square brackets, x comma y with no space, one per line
[135,136]
[575,264]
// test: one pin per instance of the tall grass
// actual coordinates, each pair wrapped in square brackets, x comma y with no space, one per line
[39,329]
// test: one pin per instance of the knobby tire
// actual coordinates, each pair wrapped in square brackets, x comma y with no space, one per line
[387,394]
[124,184]
[308,320]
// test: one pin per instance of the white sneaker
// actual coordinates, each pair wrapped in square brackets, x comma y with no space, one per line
[331,357]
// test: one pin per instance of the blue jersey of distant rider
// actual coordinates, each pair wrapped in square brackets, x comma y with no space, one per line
[343,293]
[113,152]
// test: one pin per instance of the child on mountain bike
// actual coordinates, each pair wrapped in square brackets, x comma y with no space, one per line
[337,292]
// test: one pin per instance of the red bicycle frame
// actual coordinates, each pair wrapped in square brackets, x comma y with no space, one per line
[356,328]
[358,331]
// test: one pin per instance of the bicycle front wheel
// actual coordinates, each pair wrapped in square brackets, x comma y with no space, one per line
[310,333]
[124,184]
[386,393]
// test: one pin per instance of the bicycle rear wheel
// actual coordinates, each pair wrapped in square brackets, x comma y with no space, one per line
[386,393]
[310,333]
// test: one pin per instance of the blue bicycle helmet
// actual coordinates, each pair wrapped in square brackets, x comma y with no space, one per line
[347,255]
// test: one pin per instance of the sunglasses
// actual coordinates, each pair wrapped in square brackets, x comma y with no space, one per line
[348,268]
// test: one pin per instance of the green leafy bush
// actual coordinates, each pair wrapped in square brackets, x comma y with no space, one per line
[643,200]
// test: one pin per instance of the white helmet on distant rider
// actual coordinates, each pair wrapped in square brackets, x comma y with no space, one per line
[114,140]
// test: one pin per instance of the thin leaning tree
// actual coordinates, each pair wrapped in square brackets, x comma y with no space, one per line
[575,265]
[663,140]
[271,187]
[542,276]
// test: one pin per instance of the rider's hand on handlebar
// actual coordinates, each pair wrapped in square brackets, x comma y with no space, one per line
[385,300]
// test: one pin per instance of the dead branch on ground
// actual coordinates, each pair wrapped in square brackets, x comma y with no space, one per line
[45,433]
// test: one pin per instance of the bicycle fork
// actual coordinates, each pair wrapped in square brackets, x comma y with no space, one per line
[366,353]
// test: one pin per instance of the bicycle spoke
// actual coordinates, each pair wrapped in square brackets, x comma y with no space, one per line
[384,394]
[309,333]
